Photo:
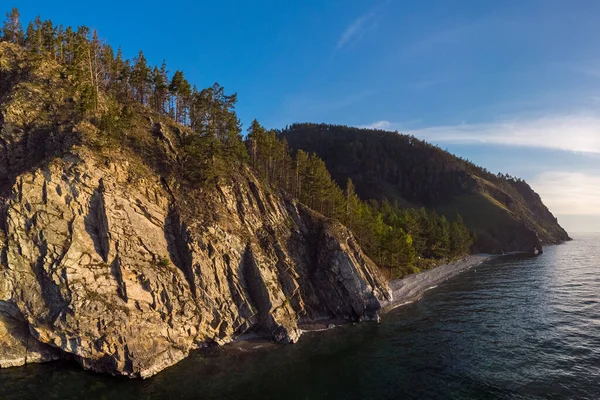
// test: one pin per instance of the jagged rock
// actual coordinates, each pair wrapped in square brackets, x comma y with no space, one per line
[105,259]
[17,346]
[111,273]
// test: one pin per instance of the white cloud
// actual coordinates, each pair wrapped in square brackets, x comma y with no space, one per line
[385,125]
[569,193]
[356,30]
[578,133]
[392,126]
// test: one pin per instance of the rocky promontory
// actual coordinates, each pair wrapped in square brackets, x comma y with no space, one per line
[109,272]
[109,257]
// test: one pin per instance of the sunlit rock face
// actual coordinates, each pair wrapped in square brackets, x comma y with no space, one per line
[114,274]
[105,258]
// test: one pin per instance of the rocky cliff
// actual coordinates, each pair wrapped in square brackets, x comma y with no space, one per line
[106,258]
[110,272]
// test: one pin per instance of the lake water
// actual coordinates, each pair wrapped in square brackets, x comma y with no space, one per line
[511,328]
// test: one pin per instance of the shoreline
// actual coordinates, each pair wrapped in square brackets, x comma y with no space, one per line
[410,289]
[404,291]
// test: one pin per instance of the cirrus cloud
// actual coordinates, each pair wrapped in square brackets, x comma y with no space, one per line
[577,132]
[569,193]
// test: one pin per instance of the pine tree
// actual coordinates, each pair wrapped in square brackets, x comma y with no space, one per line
[140,76]
[300,168]
[48,32]
[94,69]
[33,36]
[460,239]
[442,237]
[122,73]
[160,87]
[256,142]
[351,202]
[12,30]
[178,88]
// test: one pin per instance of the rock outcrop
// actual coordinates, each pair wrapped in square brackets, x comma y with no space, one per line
[107,259]
[114,274]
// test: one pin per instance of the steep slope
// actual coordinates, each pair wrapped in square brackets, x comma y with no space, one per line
[107,258]
[504,213]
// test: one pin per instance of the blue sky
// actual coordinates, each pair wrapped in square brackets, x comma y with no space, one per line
[512,85]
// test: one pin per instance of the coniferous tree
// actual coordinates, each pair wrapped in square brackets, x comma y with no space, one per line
[460,238]
[256,139]
[178,88]
[48,33]
[33,36]
[140,76]
[121,72]
[397,238]
[95,73]
[159,87]
[12,30]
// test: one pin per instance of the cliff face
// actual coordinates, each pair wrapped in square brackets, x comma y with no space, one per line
[505,214]
[110,272]
[106,258]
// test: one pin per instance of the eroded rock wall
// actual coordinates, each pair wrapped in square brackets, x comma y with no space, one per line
[111,272]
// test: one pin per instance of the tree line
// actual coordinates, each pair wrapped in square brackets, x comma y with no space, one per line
[107,84]
[401,240]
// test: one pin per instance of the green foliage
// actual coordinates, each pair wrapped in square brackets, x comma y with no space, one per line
[201,156]
[216,146]
[106,88]
[414,173]
[163,261]
[12,31]
[116,119]
[395,237]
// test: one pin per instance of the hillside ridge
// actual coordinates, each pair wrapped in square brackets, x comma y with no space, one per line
[503,212]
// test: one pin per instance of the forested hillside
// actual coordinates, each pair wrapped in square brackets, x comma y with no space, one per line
[504,213]
[132,227]
[401,240]
[411,197]
[98,90]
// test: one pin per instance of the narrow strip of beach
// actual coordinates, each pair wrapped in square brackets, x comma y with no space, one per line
[412,287]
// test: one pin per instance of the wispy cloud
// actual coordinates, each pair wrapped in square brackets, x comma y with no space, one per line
[384,125]
[569,193]
[578,133]
[461,33]
[356,30]
[390,126]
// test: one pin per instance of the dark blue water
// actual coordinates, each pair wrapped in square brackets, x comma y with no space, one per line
[513,328]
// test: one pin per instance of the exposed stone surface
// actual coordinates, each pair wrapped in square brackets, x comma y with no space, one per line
[17,346]
[104,259]
[108,271]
